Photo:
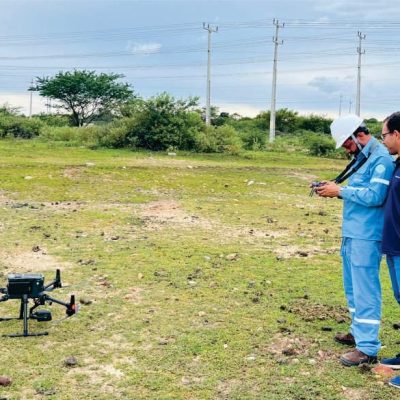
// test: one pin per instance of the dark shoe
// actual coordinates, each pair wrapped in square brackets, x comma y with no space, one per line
[345,338]
[357,357]
[395,382]
[393,363]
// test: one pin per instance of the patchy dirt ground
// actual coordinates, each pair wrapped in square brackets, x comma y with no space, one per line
[157,214]
[310,311]
[287,349]
[31,261]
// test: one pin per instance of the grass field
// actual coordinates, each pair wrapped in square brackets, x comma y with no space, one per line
[209,276]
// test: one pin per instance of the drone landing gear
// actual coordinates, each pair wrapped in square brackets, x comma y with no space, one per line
[23,314]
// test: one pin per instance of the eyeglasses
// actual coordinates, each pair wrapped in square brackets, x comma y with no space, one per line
[383,135]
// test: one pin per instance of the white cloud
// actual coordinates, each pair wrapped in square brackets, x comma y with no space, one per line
[143,48]
[356,8]
[334,84]
[244,110]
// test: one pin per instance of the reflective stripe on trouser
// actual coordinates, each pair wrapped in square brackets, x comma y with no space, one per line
[361,261]
[393,263]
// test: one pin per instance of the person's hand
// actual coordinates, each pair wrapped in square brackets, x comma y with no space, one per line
[328,189]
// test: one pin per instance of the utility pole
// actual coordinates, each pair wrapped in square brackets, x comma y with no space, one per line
[359,51]
[210,30]
[30,100]
[340,105]
[276,41]
[350,104]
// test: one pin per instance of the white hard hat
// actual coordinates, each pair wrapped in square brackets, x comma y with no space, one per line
[343,127]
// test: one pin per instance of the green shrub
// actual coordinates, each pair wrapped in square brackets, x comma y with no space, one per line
[254,139]
[164,122]
[218,140]
[119,134]
[54,119]
[19,126]
[320,145]
[74,135]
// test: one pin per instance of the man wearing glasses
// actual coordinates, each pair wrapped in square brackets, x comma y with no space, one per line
[391,226]
[368,177]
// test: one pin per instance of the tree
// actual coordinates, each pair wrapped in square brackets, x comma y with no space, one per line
[163,122]
[85,94]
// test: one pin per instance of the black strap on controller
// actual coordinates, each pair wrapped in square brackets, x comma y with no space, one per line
[348,171]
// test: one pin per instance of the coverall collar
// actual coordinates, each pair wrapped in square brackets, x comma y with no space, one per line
[367,148]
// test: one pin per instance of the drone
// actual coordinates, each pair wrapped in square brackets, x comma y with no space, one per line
[31,286]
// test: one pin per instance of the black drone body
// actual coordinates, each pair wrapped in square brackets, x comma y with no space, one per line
[31,286]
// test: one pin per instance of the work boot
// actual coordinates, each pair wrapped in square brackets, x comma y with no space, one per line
[393,363]
[357,357]
[345,338]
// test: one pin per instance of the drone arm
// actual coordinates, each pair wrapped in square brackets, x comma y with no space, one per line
[71,306]
[56,283]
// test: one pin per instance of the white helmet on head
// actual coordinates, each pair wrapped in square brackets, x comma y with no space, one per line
[343,127]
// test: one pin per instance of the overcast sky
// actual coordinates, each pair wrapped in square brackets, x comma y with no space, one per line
[162,46]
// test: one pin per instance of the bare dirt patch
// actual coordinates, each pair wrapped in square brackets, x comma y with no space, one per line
[355,394]
[288,349]
[225,388]
[170,213]
[134,295]
[72,172]
[157,214]
[310,311]
[281,345]
[170,162]
[285,251]
[303,176]
[29,261]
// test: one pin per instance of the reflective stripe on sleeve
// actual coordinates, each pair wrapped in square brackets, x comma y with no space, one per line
[380,180]
[367,321]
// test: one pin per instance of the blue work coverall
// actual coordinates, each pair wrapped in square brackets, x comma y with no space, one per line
[363,198]
[391,231]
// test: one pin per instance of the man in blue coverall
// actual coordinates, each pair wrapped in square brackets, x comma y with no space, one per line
[363,198]
[391,226]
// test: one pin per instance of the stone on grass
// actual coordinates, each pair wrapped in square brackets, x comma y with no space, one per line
[70,361]
[5,381]
[383,371]
[232,256]
[85,301]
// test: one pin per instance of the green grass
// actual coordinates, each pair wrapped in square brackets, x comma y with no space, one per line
[201,291]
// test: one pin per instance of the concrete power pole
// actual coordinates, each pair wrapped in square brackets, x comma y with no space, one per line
[208,101]
[30,100]
[276,41]
[359,51]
